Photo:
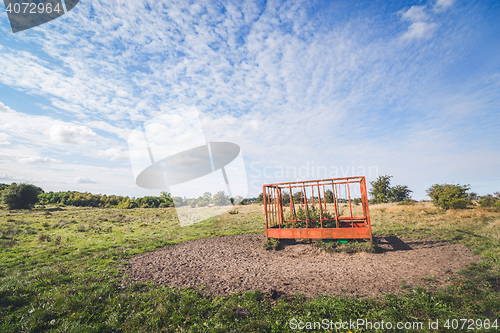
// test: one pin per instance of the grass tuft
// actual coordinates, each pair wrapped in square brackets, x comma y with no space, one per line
[351,247]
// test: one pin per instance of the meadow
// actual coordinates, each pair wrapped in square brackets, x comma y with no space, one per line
[61,270]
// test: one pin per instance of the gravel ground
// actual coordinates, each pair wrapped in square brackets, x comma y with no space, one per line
[223,265]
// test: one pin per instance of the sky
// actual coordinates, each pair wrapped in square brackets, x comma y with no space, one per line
[307,89]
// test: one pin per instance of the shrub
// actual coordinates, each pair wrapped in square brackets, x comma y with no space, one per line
[489,201]
[449,196]
[459,203]
[312,215]
[271,244]
[22,196]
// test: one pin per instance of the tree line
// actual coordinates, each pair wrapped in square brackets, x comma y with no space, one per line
[446,196]
[24,196]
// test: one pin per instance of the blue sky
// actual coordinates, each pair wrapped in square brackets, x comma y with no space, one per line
[307,89]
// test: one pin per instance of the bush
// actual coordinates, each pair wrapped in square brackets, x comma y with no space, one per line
[449,196]
[22,196]
[271,244]
[488,201]
[459,203]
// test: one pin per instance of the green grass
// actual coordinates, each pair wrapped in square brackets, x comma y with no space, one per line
[61,271]
[350,247]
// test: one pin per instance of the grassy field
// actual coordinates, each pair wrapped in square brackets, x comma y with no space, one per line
[60,272]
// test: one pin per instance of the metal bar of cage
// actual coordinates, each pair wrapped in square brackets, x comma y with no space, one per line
[292,214]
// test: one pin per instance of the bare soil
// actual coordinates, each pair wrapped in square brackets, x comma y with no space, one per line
[223,265]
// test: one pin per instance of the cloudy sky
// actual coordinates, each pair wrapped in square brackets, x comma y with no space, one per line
[307,89]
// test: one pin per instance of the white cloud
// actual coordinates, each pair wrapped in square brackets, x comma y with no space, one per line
[415,14]
[73,134]
[34,160]
[113,154]
[421,25]
[4,108]
[83,180]
[3,139]
[12,155]
[442,5]
[420,30]
[5,176]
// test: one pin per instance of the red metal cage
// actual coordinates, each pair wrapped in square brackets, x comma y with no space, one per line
[318,209]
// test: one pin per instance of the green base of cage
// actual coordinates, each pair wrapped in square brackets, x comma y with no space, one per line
[343,241]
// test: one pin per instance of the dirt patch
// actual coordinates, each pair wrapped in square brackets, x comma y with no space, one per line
[223,265]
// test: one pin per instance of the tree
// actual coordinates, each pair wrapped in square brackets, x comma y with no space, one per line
[179,202]
[260,198]
[449,196]
[166,200]
[329,196]
[22,196]
[127,203]
[297,198]
[3,187]
[285,199]
[381,189]
[238,200]
[220,199]
[399,193]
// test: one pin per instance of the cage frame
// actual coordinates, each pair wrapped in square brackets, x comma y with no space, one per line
[346,227]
